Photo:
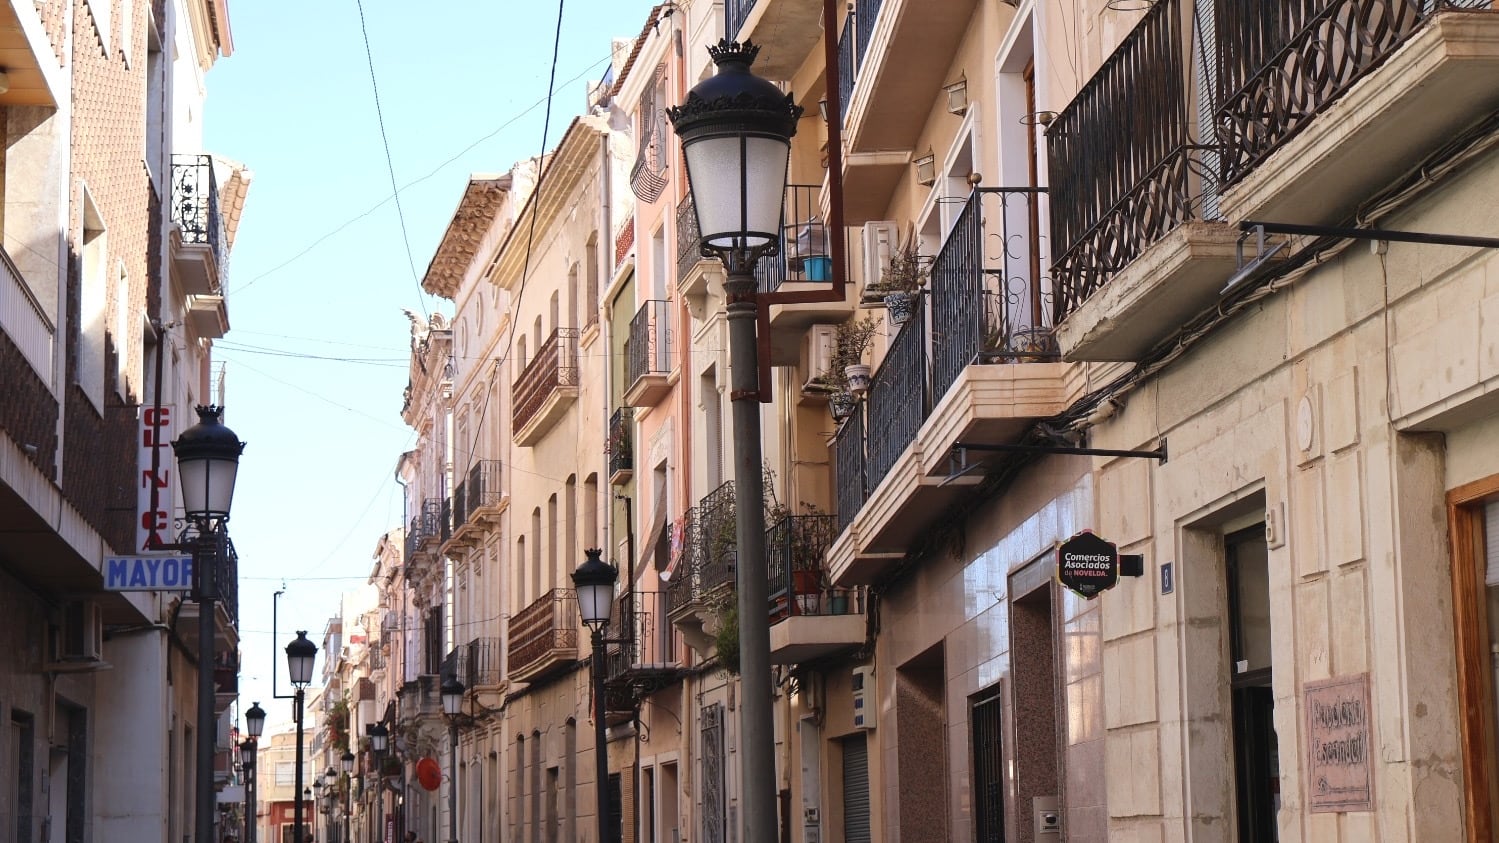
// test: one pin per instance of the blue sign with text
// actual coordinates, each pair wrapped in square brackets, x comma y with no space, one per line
[148,573]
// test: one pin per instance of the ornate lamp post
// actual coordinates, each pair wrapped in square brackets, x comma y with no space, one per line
[452,706]
[347,762]
[300,654]
[736,131]
[594,582]
[254,727]
[207,463]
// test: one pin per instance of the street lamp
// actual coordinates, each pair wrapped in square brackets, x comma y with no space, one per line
[452,706]
[330,802]
[207,463]
[594,582]
[736,131]
[300,654]
[347,762]
[254,727]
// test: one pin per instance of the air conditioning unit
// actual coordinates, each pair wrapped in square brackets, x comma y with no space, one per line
[881,240]
[817,351]
[862,686]
[81,638]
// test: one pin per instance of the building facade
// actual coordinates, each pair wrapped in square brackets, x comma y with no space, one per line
[1047,268]
[117,230]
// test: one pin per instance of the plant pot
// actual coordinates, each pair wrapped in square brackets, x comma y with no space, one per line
[900,306]
[818,268]
[858,376]
[842,405]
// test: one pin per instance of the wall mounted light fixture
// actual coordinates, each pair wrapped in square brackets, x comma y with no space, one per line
[957,96]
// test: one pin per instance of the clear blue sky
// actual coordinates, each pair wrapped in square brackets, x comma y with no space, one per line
[320,265]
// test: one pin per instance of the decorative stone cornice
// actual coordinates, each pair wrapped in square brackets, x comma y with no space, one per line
[481,203]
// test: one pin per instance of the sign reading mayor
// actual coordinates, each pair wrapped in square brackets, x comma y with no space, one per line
[148,573]
[1088,564]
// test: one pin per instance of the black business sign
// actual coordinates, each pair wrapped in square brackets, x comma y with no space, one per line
[1088,564]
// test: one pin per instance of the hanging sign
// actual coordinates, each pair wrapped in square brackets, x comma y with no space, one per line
[1087,564]
[148,573]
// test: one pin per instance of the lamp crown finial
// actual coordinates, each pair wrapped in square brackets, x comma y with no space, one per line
[726,52]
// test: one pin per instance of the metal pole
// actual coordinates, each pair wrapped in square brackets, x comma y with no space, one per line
[756,728]
[250,793]
[452,780]
[296,814]
[600,740]
[204,565]
[348,797]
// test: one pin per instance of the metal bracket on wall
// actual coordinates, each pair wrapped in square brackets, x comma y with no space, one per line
[1265,253]
[960,451]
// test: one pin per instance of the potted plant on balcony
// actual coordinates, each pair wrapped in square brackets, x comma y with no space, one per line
[902,280]
[847,370]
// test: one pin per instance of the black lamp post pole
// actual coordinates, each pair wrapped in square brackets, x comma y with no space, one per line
[600,739]
[296,814]
[205,564]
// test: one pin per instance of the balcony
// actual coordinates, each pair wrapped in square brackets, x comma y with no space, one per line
[201,255]
[995,364]
[420,699]
[1126,175]
[31,64]
[809,619]
[705,566]
[475,663]
[620,447]
[786,30]
[477,503]
[1338,98]
[696,274]
[804,265]
[24,319]
[547,387]
[649,661]
[648,355]
[544,636]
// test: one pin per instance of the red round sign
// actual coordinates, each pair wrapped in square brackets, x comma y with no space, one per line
[428,774]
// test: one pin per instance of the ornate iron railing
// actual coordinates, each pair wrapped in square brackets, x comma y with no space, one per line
[848,460]
[415,538]
[846,68]
[648,348]
[460,504]
[689,239]
[684,586]
[542,629]
[482,666]
[735,13]
[482,486]
[991,289]
[1120,158]
[718,552]
[898,398]
[794,561]
[195,206]
[445,526]
[804,242]
[555,366]
[454,664]
[620,448]
[1280,64]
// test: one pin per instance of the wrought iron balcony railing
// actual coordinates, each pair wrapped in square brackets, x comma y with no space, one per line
[1121,157]
[898,400]
[850,489]
[482,663]
[459,509]
[195,206]
[735,13]
[482,488]
[794,559]
[621,440]
[554,366]
[546,629]
[689,239]
[804,242]
[445,525]
[683,587]
[991,289]
[648,349]
[853,45]
[1281,64]
[709,549]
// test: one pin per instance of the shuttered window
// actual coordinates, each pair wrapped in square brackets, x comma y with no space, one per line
[1491,542]
[856,790]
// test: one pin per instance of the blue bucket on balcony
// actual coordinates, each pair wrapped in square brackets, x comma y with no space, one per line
[819,268]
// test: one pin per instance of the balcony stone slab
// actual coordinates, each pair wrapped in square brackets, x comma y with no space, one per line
[1171,281]
[1432,87]
[802,638]
[991,403]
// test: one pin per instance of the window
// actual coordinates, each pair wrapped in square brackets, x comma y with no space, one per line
[988,768]
[1256,754]
[591,280]
[21,761]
